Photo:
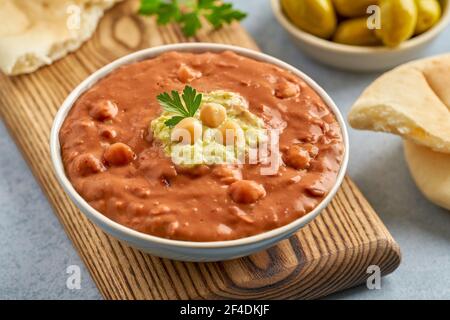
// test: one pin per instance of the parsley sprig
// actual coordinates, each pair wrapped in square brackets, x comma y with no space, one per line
[173,104]
[187,13]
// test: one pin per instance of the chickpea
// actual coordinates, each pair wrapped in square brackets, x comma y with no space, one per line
[119,154]
[231,132]
[187,74]
[227,174]
[188,130]
[286,89]
[297,157]
[246,191]
[86,164]
[108,133]
[103,110]
[213,114]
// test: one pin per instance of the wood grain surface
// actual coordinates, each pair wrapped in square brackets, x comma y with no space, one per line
[330,254]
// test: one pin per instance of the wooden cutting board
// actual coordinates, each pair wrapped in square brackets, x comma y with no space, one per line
[330,254]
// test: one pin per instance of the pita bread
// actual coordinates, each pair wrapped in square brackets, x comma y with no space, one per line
[35,33]
[431,172]
[412,100]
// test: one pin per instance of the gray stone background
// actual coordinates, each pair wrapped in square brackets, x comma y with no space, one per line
[35,251]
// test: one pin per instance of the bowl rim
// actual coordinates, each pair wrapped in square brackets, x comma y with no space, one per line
[97,217]
[350,49]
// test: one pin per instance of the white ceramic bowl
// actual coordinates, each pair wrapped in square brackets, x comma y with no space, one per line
[187,250]
[359,58]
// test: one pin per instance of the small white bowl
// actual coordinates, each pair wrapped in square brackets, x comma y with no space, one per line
[360,58]
[187,250]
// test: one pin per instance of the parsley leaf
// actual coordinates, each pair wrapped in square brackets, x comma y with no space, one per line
[149,7]
[172,122]
[188,13]
[224,14]
[190,23]
[206,4]
[168,12]
[173,104]
[192,100]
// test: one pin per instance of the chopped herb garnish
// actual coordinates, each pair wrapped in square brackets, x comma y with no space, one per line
[173,104]
[187,13]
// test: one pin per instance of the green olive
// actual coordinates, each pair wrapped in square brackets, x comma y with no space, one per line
[429,12]
[353,8]
[398,21]
[313,16]
[355,32]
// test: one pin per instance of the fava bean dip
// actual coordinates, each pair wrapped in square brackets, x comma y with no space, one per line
[118,139]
